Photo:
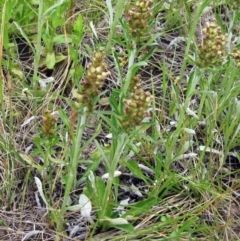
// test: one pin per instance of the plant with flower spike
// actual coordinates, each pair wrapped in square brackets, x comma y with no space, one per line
[94,80]
[138,18]
[135,108]
[88,91]
[213,49]
[48,124]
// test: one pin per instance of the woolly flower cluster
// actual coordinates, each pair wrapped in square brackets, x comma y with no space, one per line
[212,50]
[48,124]
[93,81]
[136,107]
[138,17]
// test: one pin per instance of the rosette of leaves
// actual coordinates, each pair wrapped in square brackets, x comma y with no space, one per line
[138,16]
[213,48]
[236,56]
[93,81]
[136,107]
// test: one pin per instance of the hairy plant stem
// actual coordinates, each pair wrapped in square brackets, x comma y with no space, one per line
[71,180]
[133,55]
[37,55]
[116,152]
[48,164]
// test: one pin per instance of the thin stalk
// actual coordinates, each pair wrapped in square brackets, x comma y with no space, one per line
[114,23]
[113,161]
[131,59]
[1,73]
[82,117]
[37,54]
[49,166]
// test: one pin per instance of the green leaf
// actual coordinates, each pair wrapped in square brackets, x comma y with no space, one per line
[125,227]
[24,35]
[73,54]
[64,117]
[100,187]
[139,64]
[93,30]
[78,25]
[116,221]
[58,21]
[62,39]
[141,207]
[78,72]
[103,154]
[57,161]
[74,208]
[148,55]
[28,159]
[114,104]
[53,7]
[78,30]
[136,171]
[91,167]
[60,57]
[110,10]
[117,65]
[50,60]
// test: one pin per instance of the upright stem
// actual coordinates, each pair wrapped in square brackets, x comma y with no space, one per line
[71,180]
[37,54]
[113,22]
[132,57]
[1,73]
[116,153]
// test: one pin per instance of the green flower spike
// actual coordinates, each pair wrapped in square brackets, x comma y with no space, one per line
[93,81]
[213,49]
[136,107]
